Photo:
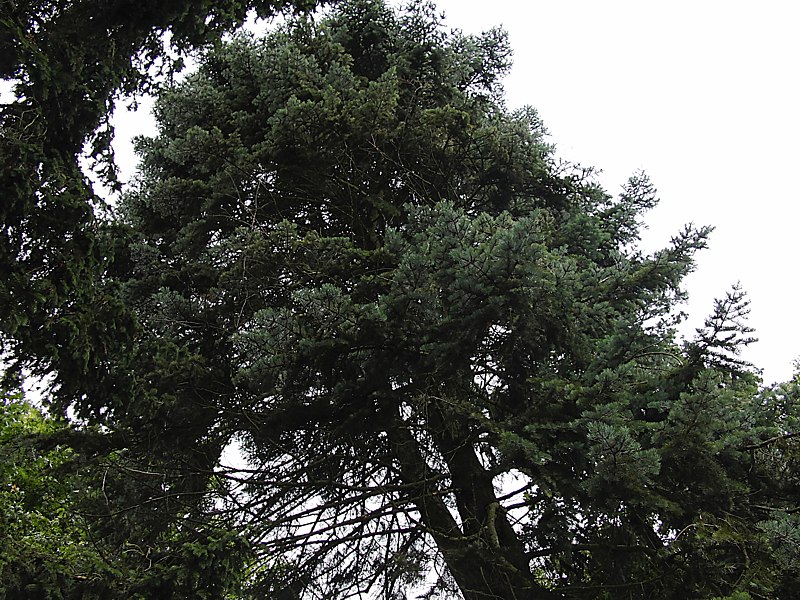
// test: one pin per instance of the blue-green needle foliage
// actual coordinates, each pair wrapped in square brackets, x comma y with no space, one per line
[433,343]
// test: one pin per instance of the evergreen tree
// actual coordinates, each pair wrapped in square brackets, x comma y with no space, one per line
[436,347]
[68,63]
[60,316]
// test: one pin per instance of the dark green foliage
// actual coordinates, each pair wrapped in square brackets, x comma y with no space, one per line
[433,344]
[69,61]
[61,539]
[60,314]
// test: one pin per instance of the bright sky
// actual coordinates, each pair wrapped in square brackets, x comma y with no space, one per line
[703,96]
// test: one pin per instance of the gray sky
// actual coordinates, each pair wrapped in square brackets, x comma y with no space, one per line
[703,96]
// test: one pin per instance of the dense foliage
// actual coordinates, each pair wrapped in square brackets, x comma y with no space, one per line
[68,62]
[51,546]
[435,355]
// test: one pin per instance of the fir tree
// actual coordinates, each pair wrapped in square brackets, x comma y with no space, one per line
[436,347]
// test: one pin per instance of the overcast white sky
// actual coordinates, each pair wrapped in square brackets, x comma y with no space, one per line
[704,96]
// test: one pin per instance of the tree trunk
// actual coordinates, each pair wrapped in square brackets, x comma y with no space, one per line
[484,555]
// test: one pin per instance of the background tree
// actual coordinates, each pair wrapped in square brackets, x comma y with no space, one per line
[68,63]
[42,547]
[52,544]
[436,346]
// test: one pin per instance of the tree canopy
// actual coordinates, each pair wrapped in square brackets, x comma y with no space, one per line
[438,353]
[68,63]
